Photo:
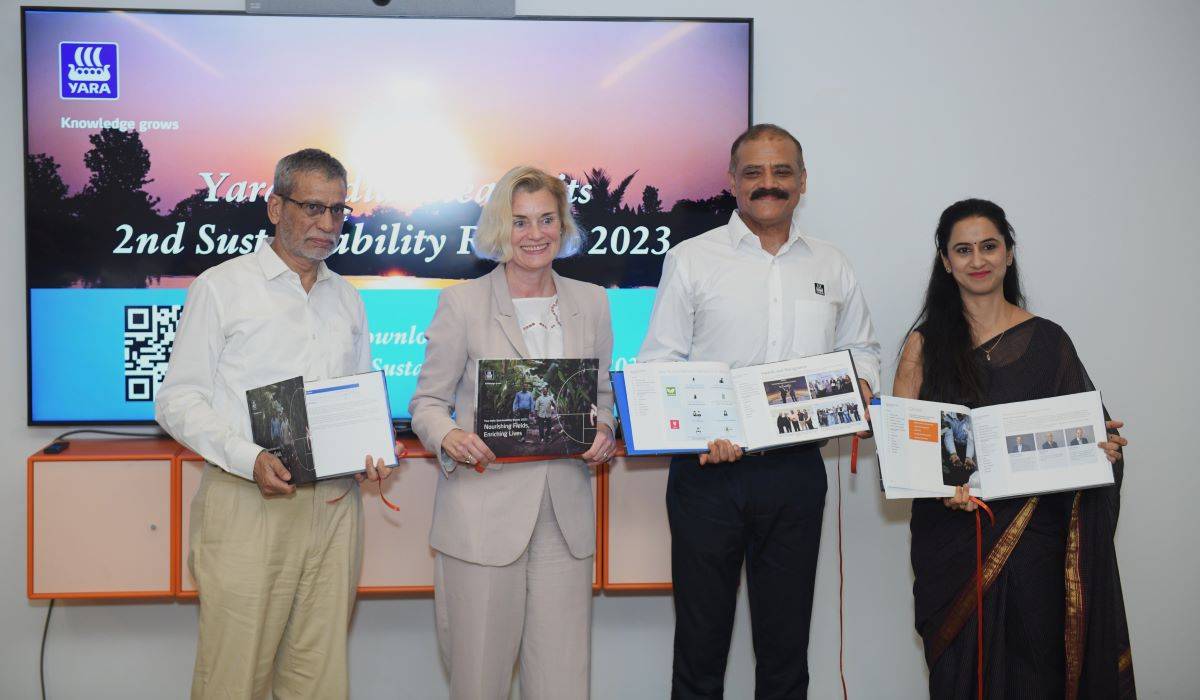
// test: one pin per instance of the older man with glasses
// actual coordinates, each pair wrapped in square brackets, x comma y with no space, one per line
[276,565]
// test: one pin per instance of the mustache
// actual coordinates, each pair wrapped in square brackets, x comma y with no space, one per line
[768,192]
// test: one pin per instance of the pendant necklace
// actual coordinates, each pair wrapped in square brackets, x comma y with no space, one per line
[987,353]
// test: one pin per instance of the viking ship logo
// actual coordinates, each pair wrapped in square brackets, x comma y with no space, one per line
[87,70]
[87,67]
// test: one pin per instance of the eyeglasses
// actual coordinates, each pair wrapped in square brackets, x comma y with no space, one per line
[315,210]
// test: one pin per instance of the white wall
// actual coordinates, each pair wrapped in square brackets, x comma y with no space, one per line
[1080,118]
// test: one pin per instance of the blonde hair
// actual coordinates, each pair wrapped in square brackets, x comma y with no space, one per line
[493,239]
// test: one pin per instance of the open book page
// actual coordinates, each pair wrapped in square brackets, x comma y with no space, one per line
[925,448]
[1042,446]
[348,419]
[679,406]
[801,400]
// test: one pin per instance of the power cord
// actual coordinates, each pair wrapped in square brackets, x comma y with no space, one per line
[59,444]
[42,655]
[122,433]
[50,609]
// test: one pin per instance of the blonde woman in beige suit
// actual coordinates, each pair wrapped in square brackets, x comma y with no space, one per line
[515,542]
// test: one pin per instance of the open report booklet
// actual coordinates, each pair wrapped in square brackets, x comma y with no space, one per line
[325,428]
[678,407]
[1015,449]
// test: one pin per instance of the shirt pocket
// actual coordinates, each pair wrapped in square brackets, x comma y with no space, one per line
[340,341]
[815,324]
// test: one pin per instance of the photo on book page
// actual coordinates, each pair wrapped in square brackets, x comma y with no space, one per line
[836,412]
[279,424]
[785,391]
[959,464]
[830,384]
[529,408]
[1020,444]
[794,420]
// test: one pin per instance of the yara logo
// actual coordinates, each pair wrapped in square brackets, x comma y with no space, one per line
[87,67]
[87,70]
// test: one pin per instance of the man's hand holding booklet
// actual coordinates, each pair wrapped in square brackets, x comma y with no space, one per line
[324,429]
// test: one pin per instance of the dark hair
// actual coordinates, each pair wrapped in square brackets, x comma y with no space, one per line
[762,131]
[305,161]
[950,367]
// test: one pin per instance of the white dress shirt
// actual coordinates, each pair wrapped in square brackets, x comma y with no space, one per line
[248,322]
[540,326]
[723,298]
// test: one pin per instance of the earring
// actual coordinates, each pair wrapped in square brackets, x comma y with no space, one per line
[947,270]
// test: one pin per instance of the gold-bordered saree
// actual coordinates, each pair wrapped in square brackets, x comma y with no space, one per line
[1054,621]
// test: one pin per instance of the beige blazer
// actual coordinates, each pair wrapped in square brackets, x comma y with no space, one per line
[488,518]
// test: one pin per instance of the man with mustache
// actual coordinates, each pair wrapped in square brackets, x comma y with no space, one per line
[277,565]
[753,291]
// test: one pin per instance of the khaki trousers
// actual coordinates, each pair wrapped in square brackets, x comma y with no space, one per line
[277,580]
[539,607]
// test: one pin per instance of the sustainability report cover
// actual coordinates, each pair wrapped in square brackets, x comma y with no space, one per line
[531,408]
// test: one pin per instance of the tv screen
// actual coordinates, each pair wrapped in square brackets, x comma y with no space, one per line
[151,140]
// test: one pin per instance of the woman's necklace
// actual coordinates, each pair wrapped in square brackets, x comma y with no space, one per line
[987,352]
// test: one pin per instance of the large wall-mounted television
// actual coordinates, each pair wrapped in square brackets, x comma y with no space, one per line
[151,139]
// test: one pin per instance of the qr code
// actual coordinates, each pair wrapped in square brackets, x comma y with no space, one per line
[149,335]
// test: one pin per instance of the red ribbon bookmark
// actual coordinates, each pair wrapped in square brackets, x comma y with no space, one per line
[981,506]
[402,454]
[386,502]
[842,570]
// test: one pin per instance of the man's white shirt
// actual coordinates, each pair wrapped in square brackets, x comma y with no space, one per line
[723,298]
[247,323]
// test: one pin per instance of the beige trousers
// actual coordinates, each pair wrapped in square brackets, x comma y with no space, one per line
[539,608]
[277,580]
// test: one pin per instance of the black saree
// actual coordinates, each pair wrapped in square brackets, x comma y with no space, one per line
[1053,615]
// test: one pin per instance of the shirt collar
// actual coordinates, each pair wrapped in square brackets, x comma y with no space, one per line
[738,231]
[273,266]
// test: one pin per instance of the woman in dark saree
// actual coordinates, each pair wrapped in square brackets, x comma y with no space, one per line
[1053,615]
